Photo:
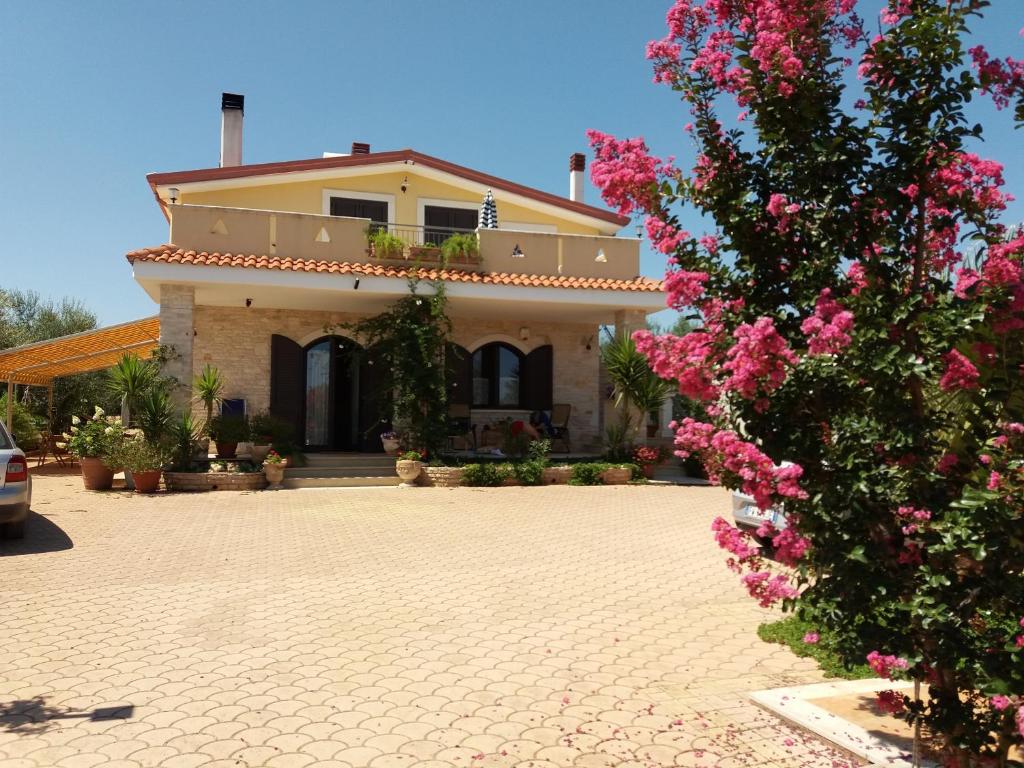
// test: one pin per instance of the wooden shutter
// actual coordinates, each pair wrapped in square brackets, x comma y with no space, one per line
[537,381]
[374,210]
[287,382]
[374,400]
[458,366]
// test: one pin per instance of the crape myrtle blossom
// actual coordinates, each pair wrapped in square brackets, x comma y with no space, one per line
[626,172]
[828,330]
[960,372]
[886,665]
[758,363]
[683,359]
[1003,78]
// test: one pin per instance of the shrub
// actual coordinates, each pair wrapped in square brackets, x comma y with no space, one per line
[411,456]
[267,428]
[464,246]
[794,632]
[229,429]
[26,433]
[384,244]
[137,454]
[94,438]
[587,473]
[485,475]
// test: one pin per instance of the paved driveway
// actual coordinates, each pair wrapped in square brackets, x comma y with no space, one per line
[530,627]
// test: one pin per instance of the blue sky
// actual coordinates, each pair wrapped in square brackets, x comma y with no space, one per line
[95,95]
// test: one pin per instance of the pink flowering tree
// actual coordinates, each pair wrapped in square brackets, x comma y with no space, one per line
[858,331]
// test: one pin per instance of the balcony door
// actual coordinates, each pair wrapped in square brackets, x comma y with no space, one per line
[439,221]
[374,210]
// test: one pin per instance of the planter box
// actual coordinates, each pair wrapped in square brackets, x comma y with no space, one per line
[215,481]
[616,476]
[556,475]
[510,481]
[440,477]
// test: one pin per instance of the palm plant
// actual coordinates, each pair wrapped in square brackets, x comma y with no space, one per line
[208,387]
[129,379]
[636,386]
[156,414]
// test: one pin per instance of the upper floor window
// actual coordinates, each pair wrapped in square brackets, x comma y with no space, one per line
[374,210]
[440,221]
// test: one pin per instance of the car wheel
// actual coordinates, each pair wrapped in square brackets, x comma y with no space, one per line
[14,530]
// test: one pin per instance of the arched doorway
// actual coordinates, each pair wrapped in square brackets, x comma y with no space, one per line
[339,396]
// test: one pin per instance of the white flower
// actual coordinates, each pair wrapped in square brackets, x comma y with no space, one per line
[75,420]
[99,412]
[108,431]
[74,430]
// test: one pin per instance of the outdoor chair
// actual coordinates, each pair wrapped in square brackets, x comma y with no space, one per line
[461,433]
[560,414]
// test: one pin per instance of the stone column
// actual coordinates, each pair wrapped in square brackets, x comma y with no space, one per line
[177,329]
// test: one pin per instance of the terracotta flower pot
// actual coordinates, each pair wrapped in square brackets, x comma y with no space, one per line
[648,470]
[616,476]
[96,475]
[275,474]
[259,452]
[147,481]
[226,450]
[408,471]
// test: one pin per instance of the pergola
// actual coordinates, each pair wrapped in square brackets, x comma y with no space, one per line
[40,363]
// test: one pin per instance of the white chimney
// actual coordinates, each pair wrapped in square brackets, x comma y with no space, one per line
[232,109]
[577,164]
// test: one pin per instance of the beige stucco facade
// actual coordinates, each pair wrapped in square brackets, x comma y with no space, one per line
[238,342]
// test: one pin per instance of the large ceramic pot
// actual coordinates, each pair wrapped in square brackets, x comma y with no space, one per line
[96,475]
[148,481]
[408,471]
[226,450]
[259,452]
[202,450]
[648,470]
[275,474]
[391,446]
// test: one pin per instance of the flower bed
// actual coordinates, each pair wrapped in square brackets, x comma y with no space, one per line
[556,475]
[215,481]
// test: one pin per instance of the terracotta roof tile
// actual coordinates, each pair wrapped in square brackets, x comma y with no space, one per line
[172,254]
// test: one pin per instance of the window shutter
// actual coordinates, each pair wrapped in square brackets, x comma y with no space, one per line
[539,379]
[458,365]
[287,382]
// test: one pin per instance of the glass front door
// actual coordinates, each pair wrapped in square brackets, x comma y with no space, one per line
[337,410]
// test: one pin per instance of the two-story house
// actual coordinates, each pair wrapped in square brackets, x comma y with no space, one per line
[262,258]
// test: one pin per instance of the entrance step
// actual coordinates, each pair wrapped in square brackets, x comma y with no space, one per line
[342,470]
[341,482]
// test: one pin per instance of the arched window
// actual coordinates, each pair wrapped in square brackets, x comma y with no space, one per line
[497,370]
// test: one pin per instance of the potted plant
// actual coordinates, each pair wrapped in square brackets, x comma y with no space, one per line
[461,248]
[208,387]
[408,467]
[648,458]
[227,432]
[273,468]
[384,245]
[261,431]
[617,474]
[391,442]
[427,252]
[143,459]
[91,442]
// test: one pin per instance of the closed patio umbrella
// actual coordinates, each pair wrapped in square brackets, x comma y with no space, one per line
[489,212]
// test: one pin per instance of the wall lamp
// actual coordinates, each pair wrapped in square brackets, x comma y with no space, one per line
[517,252]
[405,184]
[355,285]
[172,195]
[248,302]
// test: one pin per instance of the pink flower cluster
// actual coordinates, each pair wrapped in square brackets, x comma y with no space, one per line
[790,547]
[960,372]
[783,210]
[724,450]
[768,589]
[889,702]
[896,11]
[733,540]
[812,638]
[684,288]
[1004,79]
[760,583]
[828,329]
[885,666]
[626,172]
[664,236]
[686,359]
[758,363]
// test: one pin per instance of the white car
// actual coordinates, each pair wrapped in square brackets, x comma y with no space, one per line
[15,487]
[749,516]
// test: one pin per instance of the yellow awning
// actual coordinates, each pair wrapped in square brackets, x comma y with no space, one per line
[44,361]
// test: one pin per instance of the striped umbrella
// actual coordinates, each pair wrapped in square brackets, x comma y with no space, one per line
[489,212]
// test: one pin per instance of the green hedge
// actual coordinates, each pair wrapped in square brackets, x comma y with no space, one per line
[589,473]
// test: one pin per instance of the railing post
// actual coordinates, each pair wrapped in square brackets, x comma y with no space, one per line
[10,403]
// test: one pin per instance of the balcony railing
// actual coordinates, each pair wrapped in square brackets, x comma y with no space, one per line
[338,238]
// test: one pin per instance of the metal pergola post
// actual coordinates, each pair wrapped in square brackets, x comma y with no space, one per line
[10,403]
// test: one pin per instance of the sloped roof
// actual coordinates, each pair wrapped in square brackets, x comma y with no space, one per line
[172,254]
[43,361]
[409,156]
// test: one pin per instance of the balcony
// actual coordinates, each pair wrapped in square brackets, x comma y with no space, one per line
[338,239]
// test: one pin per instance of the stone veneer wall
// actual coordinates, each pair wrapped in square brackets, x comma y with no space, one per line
[237,341]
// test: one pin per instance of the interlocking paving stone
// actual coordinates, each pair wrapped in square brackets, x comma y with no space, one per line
[370,628]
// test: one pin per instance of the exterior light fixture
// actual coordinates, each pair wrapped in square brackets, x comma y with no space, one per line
[405,184]
[601,258]
[639,231]
[355,285]
[524,333]
[248,302]
[517,252]
[172,194]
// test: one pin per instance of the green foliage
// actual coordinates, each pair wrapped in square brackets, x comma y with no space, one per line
[129,379]
[637,388]
[26,317]
[384,244]
[411,336]
[587,473]
[617,445]
[138,455]
[208,388]
[229,429]
[463,246]
[267,428]
[411,456]
[791,631]
[484,475]
[24,428]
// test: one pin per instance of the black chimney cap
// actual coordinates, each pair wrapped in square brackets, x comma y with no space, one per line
[232,101]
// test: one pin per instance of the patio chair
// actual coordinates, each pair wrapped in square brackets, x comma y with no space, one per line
[461,433]
[560,414]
